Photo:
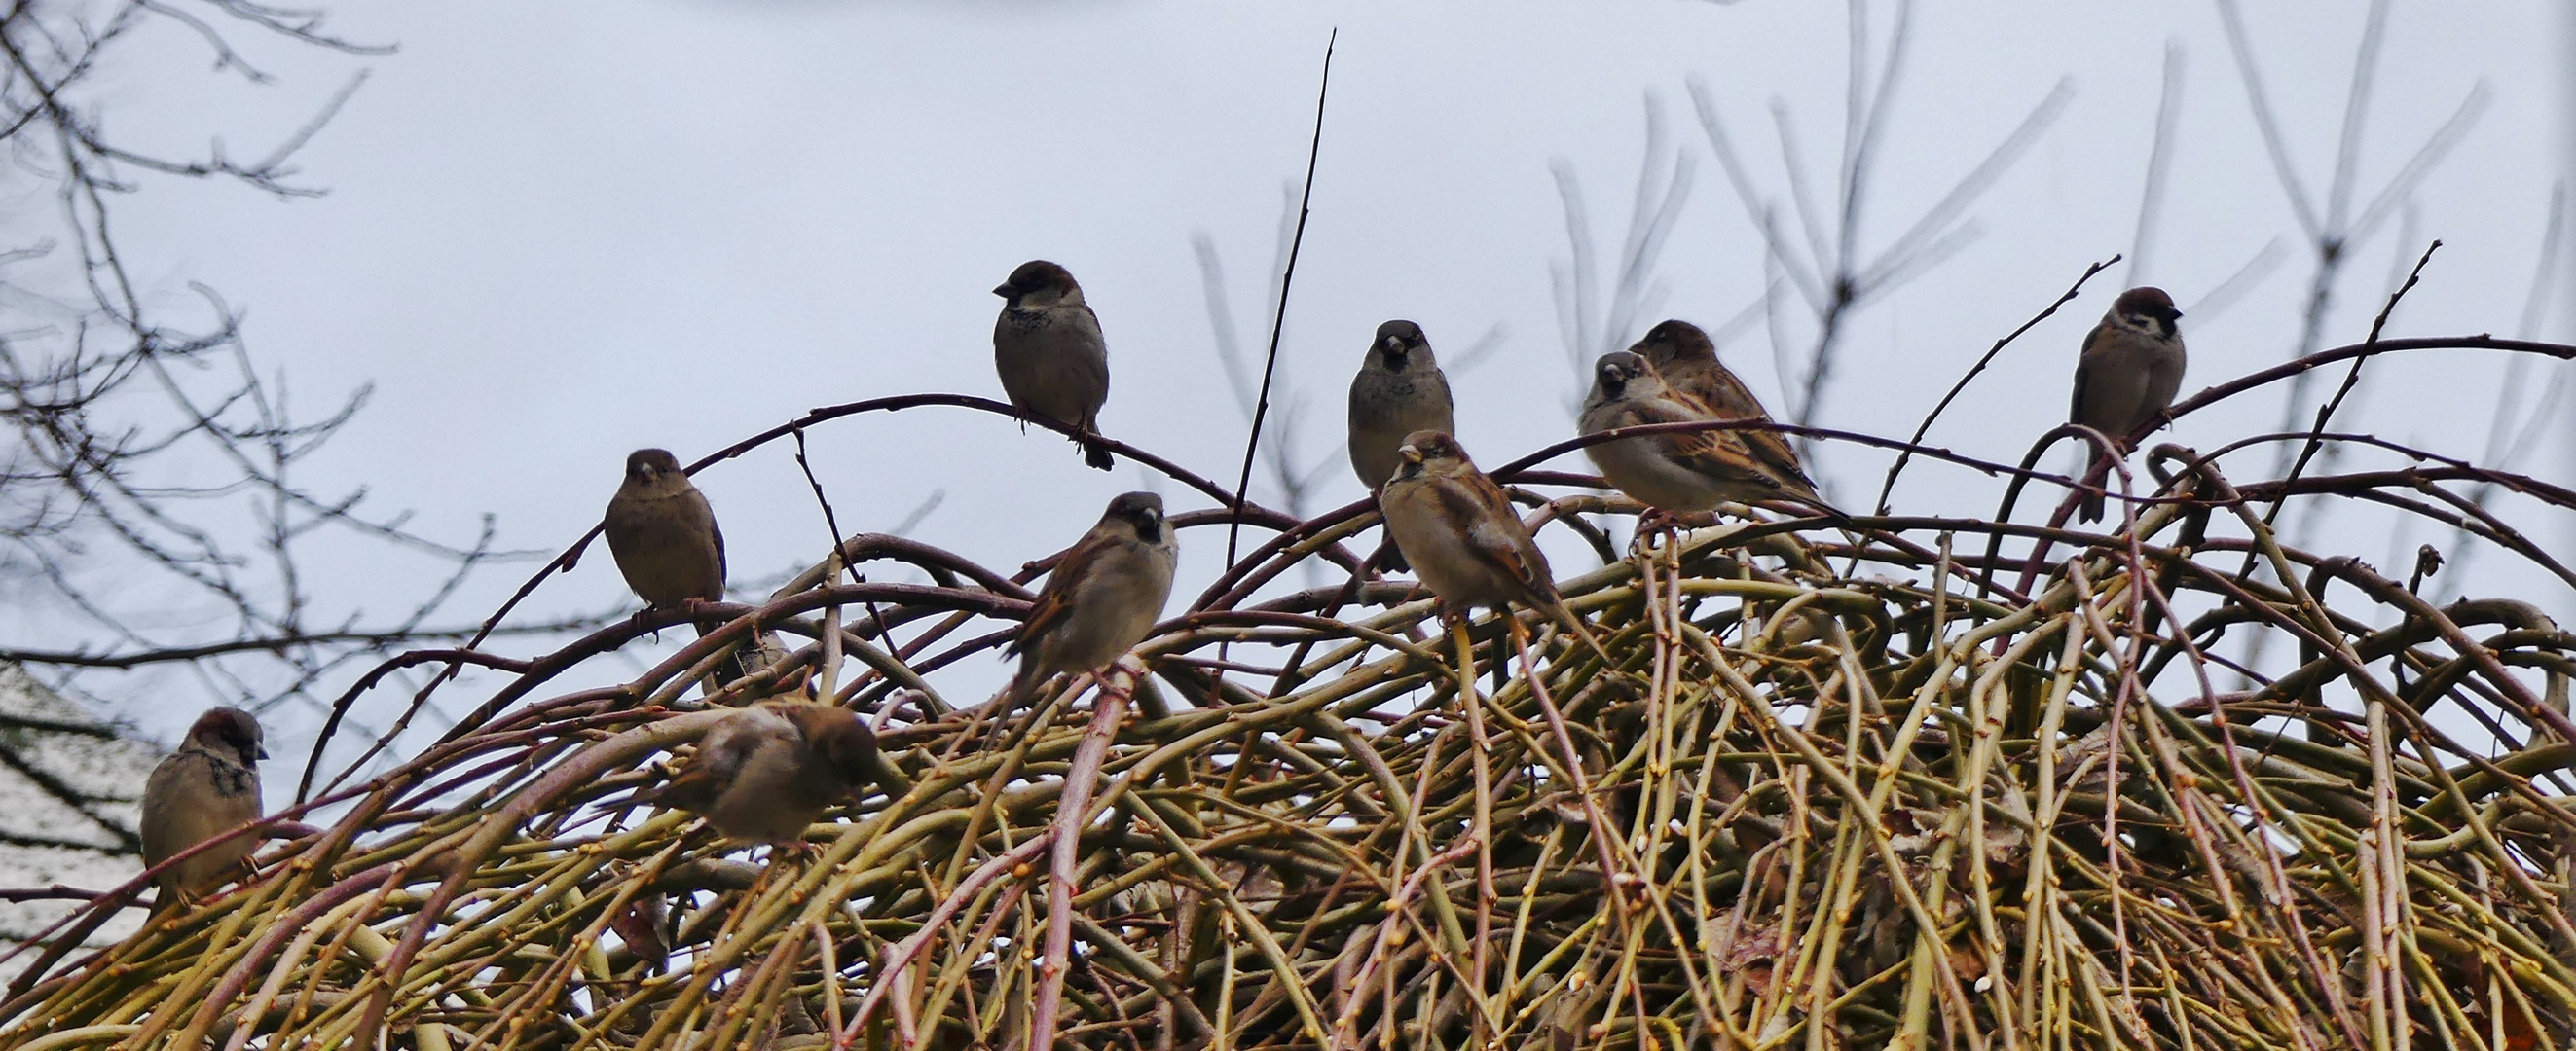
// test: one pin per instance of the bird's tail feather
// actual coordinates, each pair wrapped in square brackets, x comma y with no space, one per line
[1575,624]
[1096,454]
[1390,558]
[2096,477]
[744,660]
[1024,684]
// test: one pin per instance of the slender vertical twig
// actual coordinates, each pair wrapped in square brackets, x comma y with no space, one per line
[1287,275]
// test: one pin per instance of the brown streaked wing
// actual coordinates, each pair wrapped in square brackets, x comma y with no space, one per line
[1496,533]
[1718,454]
[1052,606]
[1779,458]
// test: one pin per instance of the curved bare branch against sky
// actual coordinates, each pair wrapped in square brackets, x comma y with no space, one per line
[555,233]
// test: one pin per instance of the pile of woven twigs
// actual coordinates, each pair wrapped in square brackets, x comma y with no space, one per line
[1887,783]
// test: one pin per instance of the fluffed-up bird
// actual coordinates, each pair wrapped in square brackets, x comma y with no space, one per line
[1048,349]
[1399,390]
[1101,600]
[1679,470]
[1687,360]
[663,536]
[1465,542]
[208,786]
[767,772]
[2130,370]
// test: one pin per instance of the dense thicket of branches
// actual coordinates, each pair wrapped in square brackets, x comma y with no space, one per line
[1964,780]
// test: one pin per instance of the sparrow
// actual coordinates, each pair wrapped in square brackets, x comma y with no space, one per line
[1681,470]
[664,538]
[1101,600]
[1462,536]
[1687,360]
[1047,347]
[210,785]
[766,773]
[2131,367]
[1399,390]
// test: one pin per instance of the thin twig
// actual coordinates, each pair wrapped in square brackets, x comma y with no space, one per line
[1279,319]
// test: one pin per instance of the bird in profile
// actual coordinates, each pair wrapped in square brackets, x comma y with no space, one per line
[1399,390]
[2131,367]
[663,536]
[765,773]
[1687,360]
[1048,349]
[207,787]
[1465,542]
[1101,600]
[1679,470]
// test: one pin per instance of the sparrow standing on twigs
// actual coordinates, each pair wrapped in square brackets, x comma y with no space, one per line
[1048,349]
[1399,390]
[766,773]
[1687,360]
[1101,600]
[664,538]
[1680,470]
[2131,368]
[210,785]
[1462,536]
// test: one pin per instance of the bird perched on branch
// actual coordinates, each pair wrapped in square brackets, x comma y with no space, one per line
[1466,543]
[1399,390]
[210,785]
[663,536]
[1681,470]
[1101,600]
[2130,370]
[766,773]
[1687,360]
[1048,349]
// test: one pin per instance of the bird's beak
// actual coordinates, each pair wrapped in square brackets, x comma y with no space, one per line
[1410,454]
[263,751]
[1002,290]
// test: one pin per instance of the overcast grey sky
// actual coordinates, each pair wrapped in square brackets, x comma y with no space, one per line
[556,232]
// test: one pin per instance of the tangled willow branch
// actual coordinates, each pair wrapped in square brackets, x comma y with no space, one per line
[1947,792]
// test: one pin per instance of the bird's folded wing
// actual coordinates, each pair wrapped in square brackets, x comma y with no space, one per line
[1718,454]
[1498,536]
[1055,603]
[1777,457]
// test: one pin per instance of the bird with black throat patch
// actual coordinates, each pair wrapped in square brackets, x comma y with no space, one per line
[1048,350]
[2131,367]
[206,788]
[1680,470]
[1399,390]
[1102,599]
